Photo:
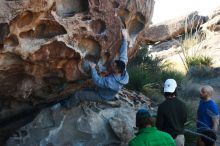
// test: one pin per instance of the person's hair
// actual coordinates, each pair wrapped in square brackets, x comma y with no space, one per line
[169,94]
[144,118]
[120,65]
[209,134]
[207,89]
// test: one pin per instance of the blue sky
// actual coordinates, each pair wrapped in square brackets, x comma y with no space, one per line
[168,9]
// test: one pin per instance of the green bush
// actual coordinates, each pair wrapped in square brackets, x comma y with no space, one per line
[141,58]
[197,64]
[189,90]
[199,61]
[167,74]
[143,69]
[137,78]
[190,40]
[147,74]
[197,72]
[191,50]
[153,93]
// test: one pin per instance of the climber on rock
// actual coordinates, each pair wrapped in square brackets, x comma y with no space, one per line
[106,87]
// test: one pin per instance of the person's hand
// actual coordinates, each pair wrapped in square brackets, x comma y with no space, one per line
[92,65]
[125,34]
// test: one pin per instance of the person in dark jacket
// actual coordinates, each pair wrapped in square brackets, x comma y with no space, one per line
[172,113]
[108,86]
[148,135]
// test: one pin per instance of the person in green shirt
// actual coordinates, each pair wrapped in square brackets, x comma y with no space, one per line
[148,135]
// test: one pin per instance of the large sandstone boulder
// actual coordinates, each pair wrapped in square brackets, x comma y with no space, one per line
[172,28]
[215,13]
[212,26]
[47,42]
[45,45]
[171,51]
[89,124]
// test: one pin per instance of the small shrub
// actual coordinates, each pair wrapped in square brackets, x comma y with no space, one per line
[200,72]
[153,93]
[196,63]
[137,78]
[143,69]
[199,61]
[167,74]
[189,90]
[191,49]
[141,58]
[190,41]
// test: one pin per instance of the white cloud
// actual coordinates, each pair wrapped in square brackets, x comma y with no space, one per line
[169,9]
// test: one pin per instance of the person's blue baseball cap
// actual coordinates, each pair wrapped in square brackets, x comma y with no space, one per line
[144,113]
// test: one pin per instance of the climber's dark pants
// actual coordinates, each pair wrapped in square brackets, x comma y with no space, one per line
[81,95]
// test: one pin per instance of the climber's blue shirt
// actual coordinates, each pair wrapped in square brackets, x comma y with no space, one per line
[109,86]
[206,111]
